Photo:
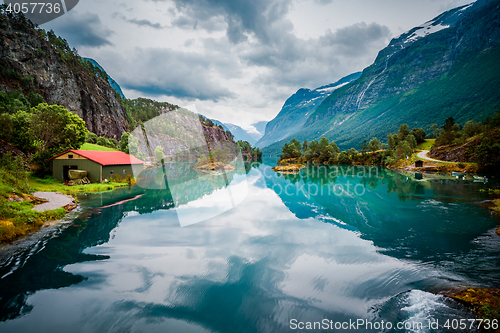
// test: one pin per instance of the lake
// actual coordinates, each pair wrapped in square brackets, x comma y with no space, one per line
[257,251]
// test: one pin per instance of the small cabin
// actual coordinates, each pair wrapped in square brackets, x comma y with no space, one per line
[419,164]
[99,165]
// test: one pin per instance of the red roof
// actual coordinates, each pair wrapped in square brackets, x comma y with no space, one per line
[105,157]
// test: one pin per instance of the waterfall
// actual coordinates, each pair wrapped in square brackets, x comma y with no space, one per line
[362,94]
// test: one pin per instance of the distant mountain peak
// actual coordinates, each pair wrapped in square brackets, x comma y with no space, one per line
[442,21]
[297,109]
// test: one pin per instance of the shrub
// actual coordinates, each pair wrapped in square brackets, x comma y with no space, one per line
[13,75]
[91,137]
[101,141]
[111,143]
[28,82]
[117,178]
[124,142]
[35,99]
[40,53]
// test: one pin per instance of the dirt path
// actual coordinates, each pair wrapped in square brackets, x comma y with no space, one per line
[56,200]
[423,155]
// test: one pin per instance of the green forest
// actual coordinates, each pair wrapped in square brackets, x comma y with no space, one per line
[374,152]
[478,142]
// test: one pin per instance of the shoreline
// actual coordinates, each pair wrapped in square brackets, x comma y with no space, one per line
[53,201]
[484,302]
[50,206]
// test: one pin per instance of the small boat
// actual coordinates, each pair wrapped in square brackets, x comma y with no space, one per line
[480,178]
[458,174]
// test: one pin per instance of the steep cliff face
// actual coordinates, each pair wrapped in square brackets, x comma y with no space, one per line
[65,82]
[449,66]
[216,136]
[180,134]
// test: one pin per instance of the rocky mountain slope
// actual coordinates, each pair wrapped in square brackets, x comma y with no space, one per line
[297,109]
[180,134]
[112,82]
[449,66]
[58,76]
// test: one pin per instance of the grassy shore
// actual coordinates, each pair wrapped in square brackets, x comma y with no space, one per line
[16,215]
[427,145]
[17,218]
[91,146]
[48,184]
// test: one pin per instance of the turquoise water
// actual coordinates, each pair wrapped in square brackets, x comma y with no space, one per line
[336,244]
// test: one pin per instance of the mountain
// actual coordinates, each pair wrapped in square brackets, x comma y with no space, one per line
[449,66]
[111,82]
[245,135]
[260,127]
[239,133]
[58,74]
[296,110]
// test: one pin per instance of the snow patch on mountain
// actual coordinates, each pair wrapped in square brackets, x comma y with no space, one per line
[330,89]
[466,7]
[425,30]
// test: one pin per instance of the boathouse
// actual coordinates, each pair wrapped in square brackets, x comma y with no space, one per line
[419,164]
[99,165]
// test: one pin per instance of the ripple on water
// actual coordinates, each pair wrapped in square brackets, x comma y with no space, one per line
[417,309]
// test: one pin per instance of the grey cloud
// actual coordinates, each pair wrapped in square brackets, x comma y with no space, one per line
[146,23]
[289,60]
[355,39]
[241,16]
[185,22]
[214,23]
[173,73]
[296,62]
[81,29]
[189,42]
[141,23]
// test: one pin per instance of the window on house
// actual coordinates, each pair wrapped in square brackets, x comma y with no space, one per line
[70,156]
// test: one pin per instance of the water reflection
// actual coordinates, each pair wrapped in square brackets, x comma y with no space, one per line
[433,221]
[277,256]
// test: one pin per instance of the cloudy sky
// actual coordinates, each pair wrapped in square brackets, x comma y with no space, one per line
[236,60]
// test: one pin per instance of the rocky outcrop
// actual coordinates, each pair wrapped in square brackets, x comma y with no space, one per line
[216,136]
[473,150]
[180,134]
[24,52]
[8,148]
[452,153]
